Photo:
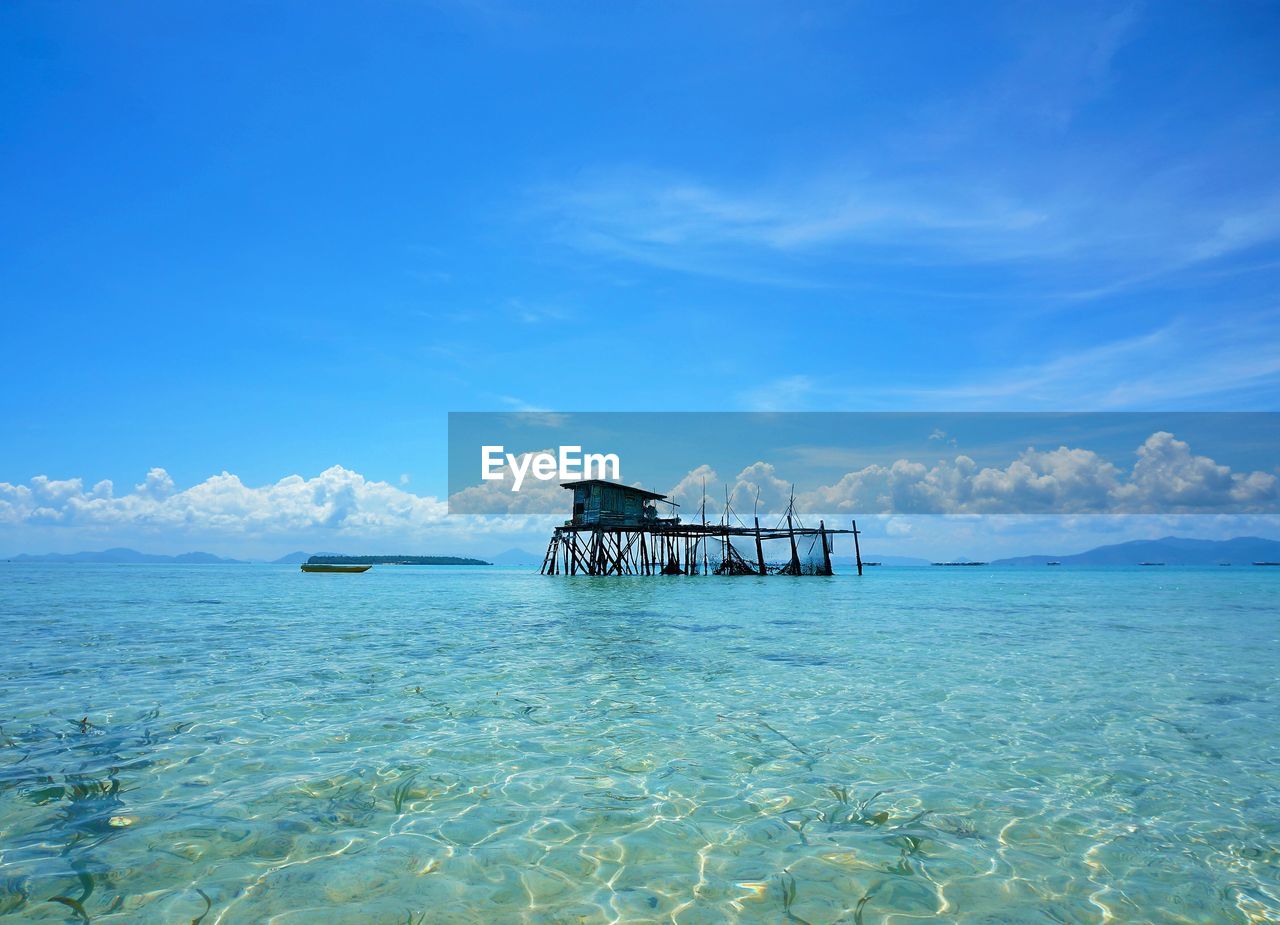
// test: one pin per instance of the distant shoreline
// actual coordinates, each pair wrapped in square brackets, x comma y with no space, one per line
[123,556]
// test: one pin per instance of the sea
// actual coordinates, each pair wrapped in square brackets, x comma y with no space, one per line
[219,744]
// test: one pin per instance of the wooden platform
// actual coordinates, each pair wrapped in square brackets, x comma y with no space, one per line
[669,547]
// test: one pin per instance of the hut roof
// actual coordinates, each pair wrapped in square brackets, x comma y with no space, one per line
[643,492]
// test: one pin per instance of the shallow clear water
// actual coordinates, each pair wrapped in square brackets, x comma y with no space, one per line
[495,746]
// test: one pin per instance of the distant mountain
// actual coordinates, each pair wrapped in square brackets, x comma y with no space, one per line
[121,555]
[1172,550]
[517,557]
[293,558]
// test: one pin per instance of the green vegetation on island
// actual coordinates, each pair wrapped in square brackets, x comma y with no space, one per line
[393,560]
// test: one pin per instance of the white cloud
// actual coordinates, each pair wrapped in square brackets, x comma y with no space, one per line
[156,485]
[690,491]
[1232,358]
[1167,478]
[1116,230]
[680,223]
[997,168]
[495,496]
[337,500]
[536,497]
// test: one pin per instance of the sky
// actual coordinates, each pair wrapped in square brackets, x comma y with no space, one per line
[247,245]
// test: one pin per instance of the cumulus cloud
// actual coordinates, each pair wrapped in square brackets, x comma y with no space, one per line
[495,496]
[1167,478]
[337,500]
[540,497]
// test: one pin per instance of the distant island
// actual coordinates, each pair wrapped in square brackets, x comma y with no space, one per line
[518,557]
[1172,550]
[122,556]
[886,561]
[394,560]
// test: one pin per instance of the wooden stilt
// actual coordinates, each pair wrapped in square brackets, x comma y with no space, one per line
[550,554]
[673,548]
[702,539]
[759,550]
[826,551]
[857,550]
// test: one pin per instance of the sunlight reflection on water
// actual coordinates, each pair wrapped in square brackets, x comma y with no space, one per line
[251,744]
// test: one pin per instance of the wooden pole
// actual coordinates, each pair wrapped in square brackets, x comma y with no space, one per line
[759,549]
[724,519]
[629,559]
[857,550]
[703,538]
[826,552]
[795,554]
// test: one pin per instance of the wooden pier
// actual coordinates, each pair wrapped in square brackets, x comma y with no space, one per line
[615,530]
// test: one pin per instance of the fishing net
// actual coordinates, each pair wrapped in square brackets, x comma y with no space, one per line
[733,563]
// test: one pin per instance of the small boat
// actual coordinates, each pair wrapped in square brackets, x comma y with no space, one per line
[1266,563]
[1151,563]
[1053,563]
[309,567]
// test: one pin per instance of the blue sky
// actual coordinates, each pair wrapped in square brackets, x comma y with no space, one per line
[270,240]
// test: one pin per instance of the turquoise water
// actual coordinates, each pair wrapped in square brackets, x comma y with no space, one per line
[423,744]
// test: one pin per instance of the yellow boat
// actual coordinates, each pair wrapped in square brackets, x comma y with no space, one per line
[308,567]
